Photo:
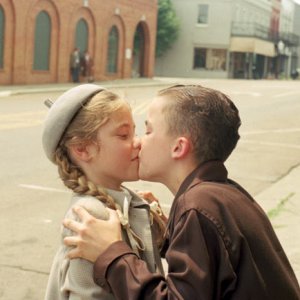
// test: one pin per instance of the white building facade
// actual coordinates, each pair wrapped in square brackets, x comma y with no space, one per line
[230,39]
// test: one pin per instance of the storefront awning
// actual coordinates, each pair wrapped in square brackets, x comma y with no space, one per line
[252,45]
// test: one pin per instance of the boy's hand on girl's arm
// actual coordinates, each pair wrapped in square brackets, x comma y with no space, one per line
[93,235]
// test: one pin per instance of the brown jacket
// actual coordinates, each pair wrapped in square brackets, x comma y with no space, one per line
[219,245]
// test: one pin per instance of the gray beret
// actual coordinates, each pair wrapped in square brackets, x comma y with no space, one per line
[61,113]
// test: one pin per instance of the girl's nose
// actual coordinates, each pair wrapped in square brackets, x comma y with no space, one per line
[136,142]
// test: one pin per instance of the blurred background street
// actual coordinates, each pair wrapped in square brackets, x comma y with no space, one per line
[33,200]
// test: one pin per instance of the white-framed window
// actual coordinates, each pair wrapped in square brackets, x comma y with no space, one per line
[202,18]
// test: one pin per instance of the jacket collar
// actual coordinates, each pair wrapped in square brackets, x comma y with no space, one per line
[136,200]
[213,170]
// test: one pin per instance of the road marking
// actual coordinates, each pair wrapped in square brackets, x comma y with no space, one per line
[5,93]
[21,120]
[254,94]
[42,188]
[25,114]
[286,94]
[292,146]
[263,131]
[19,125]
[36,118]
[47,221]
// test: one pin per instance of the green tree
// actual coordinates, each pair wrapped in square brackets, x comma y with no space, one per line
[167,26]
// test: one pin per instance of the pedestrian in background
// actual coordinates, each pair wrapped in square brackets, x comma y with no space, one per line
[75,65]
[87,67]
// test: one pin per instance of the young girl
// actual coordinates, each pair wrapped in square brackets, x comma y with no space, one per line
[89,134]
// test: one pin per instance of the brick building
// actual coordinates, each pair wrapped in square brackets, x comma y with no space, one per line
[38,36]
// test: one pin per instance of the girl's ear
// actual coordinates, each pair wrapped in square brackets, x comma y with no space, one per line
[81,152]
[181,148]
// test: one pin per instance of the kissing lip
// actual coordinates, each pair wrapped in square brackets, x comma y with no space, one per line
[135,158]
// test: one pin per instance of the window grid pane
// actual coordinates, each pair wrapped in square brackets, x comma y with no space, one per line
[112,53]
[199,58]
[82,33]
[2,24]
[210,59]
[203,14]
[42,40]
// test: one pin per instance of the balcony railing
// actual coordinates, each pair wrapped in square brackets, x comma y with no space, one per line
[250,30]
[289,38]
[262,32]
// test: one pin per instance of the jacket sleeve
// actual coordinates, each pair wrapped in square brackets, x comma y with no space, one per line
[194,248]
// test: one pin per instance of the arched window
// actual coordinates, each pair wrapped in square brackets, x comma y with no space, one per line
[2,24]
[112,53]
[42,41]
[138,52]
[82,32]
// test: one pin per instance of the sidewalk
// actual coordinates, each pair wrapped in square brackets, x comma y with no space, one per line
[282,203]
[8,90]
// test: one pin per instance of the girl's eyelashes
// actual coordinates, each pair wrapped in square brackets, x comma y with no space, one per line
[126,135]
[123,136]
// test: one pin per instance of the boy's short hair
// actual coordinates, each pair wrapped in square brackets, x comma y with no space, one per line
[207,116]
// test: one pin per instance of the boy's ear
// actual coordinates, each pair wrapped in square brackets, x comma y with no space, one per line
[181,148]
[80,152]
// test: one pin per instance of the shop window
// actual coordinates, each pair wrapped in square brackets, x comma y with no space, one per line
[112,52]
[2,24]
[210,59]
[82,33]
[199,58]
[202,14]
[42,41]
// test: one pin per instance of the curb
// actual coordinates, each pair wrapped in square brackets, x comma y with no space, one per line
[281,202]
[17,90]
[286,187]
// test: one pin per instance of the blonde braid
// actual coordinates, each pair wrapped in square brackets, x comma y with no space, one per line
[74,179]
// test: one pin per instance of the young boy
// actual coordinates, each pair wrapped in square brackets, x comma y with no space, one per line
[219,243]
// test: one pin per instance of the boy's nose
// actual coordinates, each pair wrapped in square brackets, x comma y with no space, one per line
[137,142]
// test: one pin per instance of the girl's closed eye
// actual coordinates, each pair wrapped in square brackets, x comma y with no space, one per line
[123,136]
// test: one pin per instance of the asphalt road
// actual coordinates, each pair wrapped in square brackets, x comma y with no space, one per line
[33,200]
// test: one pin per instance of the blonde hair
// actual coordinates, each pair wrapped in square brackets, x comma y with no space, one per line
[83,129]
